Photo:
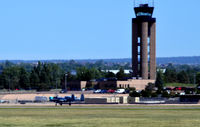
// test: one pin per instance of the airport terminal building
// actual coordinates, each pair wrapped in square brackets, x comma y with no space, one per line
[132,83]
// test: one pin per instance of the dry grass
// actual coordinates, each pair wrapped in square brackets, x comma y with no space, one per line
[96,117]
[179,85]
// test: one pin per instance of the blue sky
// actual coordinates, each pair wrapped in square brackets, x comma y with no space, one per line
[92,29]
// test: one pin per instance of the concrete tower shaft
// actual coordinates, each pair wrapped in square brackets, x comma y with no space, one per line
[135,61]
[144,50]
[153,51]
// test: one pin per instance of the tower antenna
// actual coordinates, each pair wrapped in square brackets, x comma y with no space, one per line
[153,3]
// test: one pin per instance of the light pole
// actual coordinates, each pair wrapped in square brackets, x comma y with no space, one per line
[56,86]
[9,84]
[194,78]
[66,81]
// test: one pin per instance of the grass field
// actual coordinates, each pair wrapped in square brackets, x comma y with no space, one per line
[98,117]
[179,85]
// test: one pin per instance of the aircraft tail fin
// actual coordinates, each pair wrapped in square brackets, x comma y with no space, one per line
[73,97]
[82,97]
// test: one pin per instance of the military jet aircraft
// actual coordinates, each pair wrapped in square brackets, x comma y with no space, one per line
[66,99]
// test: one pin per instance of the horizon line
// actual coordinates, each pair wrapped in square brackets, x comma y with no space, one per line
[87,58]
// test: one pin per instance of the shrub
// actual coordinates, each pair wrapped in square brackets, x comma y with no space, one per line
[134,94]
[165,94]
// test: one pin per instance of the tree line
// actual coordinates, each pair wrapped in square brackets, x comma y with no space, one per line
[181,74]
[42,76]
[46,76]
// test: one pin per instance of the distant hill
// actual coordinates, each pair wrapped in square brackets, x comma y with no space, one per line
[191,60]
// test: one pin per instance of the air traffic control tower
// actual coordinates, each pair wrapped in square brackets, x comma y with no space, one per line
[144,42]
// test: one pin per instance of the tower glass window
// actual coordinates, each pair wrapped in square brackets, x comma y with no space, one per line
[143,14]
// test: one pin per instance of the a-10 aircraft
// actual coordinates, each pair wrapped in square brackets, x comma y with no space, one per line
[66,99]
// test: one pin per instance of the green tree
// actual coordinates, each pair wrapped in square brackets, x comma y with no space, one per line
[24,79]
[198,78]
[34,79]
[120,75]
[56,75]
[70,77]
[95,74]
[165,94]
[182,77]
[134,93]
[8,64]
[150,87]
[83,74]
[148,92]
[86,74]
[159,81]
[110,75]
[10,77]
[170,76]
[145,93]
[45,76]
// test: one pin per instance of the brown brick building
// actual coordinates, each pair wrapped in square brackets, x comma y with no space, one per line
[138,84]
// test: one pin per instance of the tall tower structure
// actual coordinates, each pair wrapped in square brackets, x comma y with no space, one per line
[144,42]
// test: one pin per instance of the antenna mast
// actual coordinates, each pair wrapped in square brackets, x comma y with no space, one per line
[136,3]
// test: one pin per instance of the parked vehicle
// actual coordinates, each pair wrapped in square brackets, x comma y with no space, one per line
[112,79]
[120,91]
[179,88]
[111,91]
[168,88]
[40,99]
[182,93]
[103,91]
[190,90]
[127,91]
[4,101]
[97,91]
[183,88]
[63,91]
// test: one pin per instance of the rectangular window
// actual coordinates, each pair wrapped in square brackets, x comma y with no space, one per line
[138,50]
[139,41]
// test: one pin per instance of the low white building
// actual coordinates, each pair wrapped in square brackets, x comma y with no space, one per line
[116,71]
